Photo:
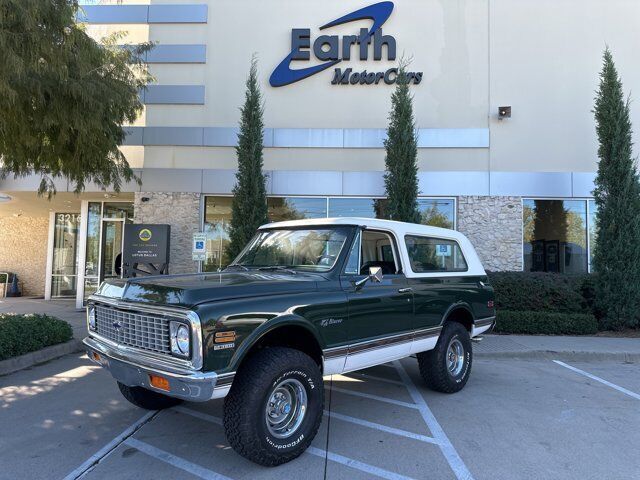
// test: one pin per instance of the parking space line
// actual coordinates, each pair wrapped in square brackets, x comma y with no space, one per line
[366,376]
[598,379]
[202,416]
[175,461]
[365,467]
[455,462]
[350,462]
[375,397]
[383,428]
[105,451]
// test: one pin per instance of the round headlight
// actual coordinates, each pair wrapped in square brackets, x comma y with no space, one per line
[92,318]
[182,339]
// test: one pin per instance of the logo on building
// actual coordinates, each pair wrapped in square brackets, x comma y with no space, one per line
[145,235]
[332,50]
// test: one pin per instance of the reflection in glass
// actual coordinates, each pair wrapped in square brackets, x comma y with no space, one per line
[357,207]
[217,216]
[436,212]
[118,210]
[434,255]
[555,236]
[65,255]
[93,249]
[296,208]
[593,210]
[316,249]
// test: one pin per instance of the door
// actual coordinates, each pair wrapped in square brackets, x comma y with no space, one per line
[111,259]
[380,314]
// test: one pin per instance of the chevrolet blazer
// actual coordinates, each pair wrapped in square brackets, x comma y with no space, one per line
[304,299]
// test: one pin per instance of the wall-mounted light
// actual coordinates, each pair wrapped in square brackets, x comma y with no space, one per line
[504,112]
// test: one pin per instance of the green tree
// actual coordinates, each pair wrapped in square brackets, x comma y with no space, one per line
[249,207]
[64,97]
[401,163]
[616,259]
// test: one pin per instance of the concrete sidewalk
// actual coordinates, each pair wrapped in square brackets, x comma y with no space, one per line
[492,346]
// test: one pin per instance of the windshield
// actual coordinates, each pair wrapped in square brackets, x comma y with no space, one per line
[313,249]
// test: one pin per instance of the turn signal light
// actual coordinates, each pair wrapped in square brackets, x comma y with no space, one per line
[96,357]
[159,382]
[490,304]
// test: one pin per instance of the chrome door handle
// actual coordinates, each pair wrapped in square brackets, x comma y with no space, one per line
[405,290]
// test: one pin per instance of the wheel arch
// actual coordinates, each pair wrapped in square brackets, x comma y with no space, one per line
[287,331]
[461,313]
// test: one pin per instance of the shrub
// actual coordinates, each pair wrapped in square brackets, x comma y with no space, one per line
[20,334]
[531,323]
[540,292]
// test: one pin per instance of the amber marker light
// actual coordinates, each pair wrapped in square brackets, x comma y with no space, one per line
[96,357]
[159,382]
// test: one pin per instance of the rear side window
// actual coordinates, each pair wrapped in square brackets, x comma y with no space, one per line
[428,254]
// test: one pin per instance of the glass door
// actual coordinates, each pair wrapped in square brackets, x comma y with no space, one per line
[64,272]
[111,261]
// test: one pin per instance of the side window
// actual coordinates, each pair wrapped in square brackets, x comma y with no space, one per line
[353,262]
[434,254]
[378,251]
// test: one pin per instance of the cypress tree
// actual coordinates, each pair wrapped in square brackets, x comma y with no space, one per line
[616,258]
[249,206]
[401,145]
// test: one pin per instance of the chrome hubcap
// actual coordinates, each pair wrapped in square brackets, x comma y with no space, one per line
[286,408]
[455,357]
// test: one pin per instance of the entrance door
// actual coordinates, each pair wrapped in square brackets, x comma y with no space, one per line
[112,237]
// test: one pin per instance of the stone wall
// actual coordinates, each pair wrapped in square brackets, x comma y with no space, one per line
[23,250]
[182,212]
[494,227]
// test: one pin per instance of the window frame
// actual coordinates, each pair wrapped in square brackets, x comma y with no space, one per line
[436,272]
[587,224]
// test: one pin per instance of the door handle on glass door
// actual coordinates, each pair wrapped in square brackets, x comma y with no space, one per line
[405,290]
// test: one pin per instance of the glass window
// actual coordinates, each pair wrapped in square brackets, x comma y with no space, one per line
[437,212]
[353,263]
[593,211]
[118,210]
[217,218]
[357,207]
[92,260]
[434,254]
[316,249]
[65,255]
[296,208]
[555,236]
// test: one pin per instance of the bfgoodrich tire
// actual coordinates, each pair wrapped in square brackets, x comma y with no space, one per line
[143,398]
[275,406]
[447,367]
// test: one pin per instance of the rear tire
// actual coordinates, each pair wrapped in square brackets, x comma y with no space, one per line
[447,367]
[147,399]
[275,406]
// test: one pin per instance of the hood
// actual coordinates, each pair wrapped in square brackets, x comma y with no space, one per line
[193,289]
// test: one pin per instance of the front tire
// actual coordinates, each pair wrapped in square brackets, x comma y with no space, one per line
[447,367]
[147,399]
[275,406]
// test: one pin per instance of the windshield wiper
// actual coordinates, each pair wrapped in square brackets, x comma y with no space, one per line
[279,268]
[237,265]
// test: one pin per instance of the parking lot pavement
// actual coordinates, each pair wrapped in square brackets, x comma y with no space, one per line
[515,419]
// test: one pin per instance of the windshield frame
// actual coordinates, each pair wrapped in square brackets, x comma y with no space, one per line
[350,233]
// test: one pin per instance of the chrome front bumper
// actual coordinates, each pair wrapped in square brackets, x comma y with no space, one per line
[193,386]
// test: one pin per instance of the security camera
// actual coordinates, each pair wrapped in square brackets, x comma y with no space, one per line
[504,112]
[144,199]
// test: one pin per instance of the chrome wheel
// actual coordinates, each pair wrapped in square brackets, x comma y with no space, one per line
[455,357]
[286,408]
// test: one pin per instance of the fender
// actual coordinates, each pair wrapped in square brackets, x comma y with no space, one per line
[285,320]
[455,306]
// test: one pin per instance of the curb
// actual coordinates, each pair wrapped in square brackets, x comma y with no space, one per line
[563,355]
[46,354]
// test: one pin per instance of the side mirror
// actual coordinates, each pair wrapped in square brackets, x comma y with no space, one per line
[375,275]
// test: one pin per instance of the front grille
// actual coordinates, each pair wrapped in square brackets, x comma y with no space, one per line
[140,330]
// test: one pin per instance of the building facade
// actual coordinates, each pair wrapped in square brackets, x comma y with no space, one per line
[517,181]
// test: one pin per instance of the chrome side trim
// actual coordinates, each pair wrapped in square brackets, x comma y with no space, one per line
[380,343]
[151,359]
[482,322]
